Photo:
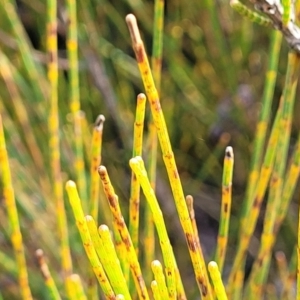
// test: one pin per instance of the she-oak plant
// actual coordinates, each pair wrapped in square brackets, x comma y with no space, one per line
[114,252]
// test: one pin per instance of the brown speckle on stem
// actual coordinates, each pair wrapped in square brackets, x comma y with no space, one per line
[51,56]
[226,207]
[203,286]
[191,242]
[256,203]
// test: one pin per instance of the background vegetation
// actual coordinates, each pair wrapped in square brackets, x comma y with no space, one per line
[213,75]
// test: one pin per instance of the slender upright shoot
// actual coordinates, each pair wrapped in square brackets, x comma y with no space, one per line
[215,275]
[122,229]
[15,233]
[76,288]
[160,279]
[259,270]
[95,163]
[139,170]
[72,47]
[263,122]
[134,202]
[168,156]
[87,241]
[225,208]
[53,124]
[250,222]
[50,284]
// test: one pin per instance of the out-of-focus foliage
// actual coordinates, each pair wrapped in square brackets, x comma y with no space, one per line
[213,74]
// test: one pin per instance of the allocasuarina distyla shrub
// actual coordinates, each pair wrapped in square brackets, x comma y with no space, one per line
[131,255]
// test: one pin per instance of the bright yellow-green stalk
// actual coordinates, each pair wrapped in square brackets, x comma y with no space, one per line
[77,291]
[217,281]
[225,209]
[149,234]
[113,260]
[134,202]
[72,47]
[108,258]
[169,160]
[139,170]
[96,147]
[15,233]
[155,290]
[53,124]
[95,163]
[160,279]
[87,241]
[121,227]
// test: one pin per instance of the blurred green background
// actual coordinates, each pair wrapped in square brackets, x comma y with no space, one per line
[213,73]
